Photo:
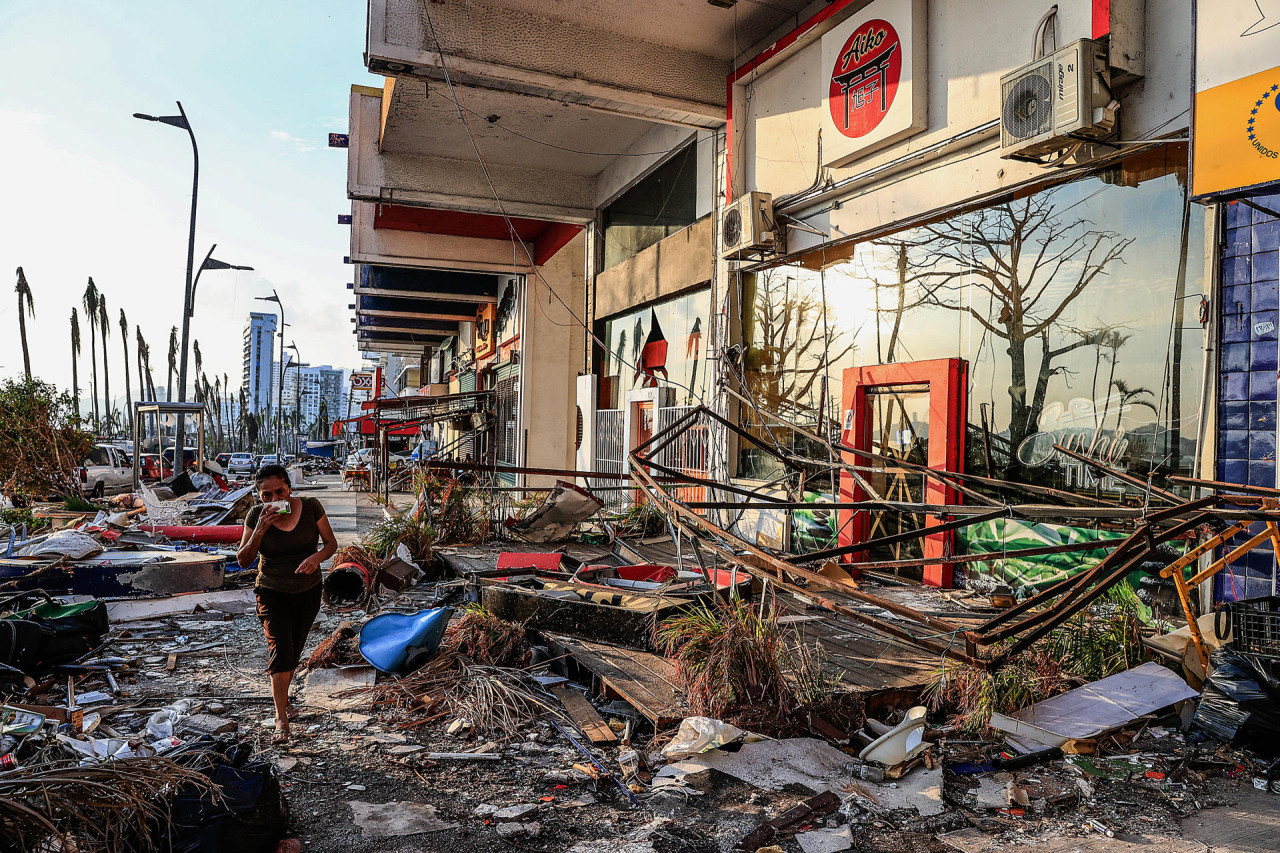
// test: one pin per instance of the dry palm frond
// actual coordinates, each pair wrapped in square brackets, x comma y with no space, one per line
[341,648]
[120,806]
[727,656]
[481,637]
[492,700]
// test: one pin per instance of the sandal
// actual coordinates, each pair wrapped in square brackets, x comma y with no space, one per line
[282,734]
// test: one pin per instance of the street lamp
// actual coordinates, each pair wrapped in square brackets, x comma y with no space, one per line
[180,121]
[297,392]
[210,263]
[275,297]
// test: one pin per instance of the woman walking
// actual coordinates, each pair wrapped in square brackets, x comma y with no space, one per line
[283,532]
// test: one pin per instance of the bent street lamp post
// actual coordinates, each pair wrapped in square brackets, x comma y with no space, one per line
[210,263]
[180,121]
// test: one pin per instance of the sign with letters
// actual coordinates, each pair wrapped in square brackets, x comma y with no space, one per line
[1235,130]
[873,79]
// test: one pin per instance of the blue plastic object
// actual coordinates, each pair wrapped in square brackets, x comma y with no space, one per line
[400,642]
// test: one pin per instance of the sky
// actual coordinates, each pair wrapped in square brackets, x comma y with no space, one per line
[88,190]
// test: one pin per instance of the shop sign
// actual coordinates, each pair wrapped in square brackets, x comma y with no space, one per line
[362,382]
[1235,128]
[873,79]
[485,317]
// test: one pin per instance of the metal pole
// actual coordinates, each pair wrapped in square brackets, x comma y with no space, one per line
[280,402]
[178,453]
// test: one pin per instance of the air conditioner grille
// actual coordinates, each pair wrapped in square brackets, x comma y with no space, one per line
[1028,105]
[733,228]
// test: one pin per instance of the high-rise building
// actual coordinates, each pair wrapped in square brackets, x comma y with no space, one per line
[259,344]
[305,388]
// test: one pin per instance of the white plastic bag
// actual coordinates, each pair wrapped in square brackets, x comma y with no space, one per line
[699,734]
[160,725]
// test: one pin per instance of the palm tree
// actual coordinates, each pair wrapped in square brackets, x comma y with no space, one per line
[1114,341]
[1128,397]
[25,304]
[90,302]
[217,403]
[173,362]
[75,357]
[139,350]
[128,393]
[105,328]
[151,379]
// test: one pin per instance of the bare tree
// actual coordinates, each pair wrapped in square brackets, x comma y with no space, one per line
[792,344]
[128,393]
[90,302]
[75,358]
[1033,262]
[25,304]
[104,327]
[173,362]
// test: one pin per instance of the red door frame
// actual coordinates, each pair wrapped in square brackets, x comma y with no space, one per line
[947,379]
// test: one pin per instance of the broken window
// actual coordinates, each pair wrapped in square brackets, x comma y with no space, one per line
[659,205]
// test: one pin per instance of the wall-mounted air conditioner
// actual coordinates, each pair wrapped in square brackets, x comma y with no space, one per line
[747,225]
[1056,101]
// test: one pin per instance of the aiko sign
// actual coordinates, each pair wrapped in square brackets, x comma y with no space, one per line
[874,78]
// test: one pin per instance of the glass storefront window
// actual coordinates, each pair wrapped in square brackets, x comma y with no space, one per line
[1076,308]
[662,343]
[661,204]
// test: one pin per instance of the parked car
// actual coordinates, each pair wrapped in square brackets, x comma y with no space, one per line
[268,459]
[188,457]
[223,459]
[240,464]
[369,456]
[150,467]
[106,470]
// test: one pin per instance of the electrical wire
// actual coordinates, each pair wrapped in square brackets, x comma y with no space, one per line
[518,243]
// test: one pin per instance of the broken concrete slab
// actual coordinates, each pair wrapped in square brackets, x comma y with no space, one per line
[516,813]
[325,688]
[813,764]
[515,830]
[208,724]
[825,840]
[390,820]
[921,789]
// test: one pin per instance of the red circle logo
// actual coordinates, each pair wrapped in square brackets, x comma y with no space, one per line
[865,78]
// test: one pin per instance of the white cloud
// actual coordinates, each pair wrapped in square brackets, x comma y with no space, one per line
[297,142]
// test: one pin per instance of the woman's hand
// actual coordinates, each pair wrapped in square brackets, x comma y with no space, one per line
[311,564]
[267,519]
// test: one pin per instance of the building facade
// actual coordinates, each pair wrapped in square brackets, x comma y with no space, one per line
[258,376]
[858,218]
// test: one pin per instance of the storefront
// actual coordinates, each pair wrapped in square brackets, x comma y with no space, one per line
[1068,315]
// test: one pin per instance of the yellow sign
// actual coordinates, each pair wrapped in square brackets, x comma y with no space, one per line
[1237,135]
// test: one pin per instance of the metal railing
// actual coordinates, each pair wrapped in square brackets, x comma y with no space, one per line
[689,453]
[610,451]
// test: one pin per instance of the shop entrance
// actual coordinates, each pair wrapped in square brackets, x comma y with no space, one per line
[914,412]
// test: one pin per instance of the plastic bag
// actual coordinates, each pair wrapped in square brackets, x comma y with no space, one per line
[160,725]
[1240,703]
[699,734]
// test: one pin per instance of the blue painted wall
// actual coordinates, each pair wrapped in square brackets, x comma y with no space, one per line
[1247,378]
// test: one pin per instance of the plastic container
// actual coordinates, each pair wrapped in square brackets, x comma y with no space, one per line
[1255,627]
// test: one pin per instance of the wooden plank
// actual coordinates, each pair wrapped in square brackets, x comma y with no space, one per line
[643,680]
[172,663]
[584,716]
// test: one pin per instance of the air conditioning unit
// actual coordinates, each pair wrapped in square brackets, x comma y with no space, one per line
[747,225]
[1055,101]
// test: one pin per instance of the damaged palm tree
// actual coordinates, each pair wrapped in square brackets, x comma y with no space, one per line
[481,637]
[121,806]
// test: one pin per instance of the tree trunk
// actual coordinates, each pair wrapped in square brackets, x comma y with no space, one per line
[106,381]
[93,362]
[128,393]
[22,331]
[75,383]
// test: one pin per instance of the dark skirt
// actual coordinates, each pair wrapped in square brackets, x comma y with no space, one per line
[286,619]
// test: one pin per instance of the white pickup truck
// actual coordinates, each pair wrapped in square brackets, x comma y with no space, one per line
[106,470]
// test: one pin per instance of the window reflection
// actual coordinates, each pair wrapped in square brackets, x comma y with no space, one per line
[661,343]
[1069,305]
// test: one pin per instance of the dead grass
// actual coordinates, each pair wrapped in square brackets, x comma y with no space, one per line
[727,656]
[1094,645]
[121,806]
